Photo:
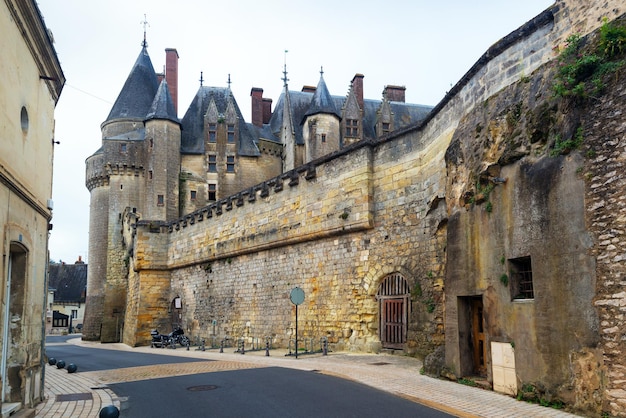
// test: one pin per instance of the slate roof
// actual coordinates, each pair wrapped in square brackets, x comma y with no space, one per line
[69,282]
[322,102]
[192,137]
[404,114]
[163,105]
[137,95]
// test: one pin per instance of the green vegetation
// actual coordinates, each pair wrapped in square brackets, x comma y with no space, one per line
[417,290]
[580,70]
[467,382]
[504,279]
[565,146]
[430,305]
[530,394]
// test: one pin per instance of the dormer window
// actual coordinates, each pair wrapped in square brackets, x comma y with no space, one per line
[386,128]
[231,134]
[212,132]
[352,128]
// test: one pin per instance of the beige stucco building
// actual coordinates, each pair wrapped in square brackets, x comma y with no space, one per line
[31,81]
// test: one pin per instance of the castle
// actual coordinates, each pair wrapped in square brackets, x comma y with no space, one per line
[485,236]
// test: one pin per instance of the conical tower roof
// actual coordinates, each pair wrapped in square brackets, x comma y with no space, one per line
[163,105]
[322,101]
[137,95]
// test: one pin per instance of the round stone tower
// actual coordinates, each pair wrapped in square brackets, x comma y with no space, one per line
[135,168]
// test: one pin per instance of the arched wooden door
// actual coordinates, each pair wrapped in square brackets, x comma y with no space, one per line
[393,298]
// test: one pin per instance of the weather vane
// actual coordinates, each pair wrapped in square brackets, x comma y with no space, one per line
[285,79]
[145,24]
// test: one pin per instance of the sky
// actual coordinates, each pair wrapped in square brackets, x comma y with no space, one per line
[425,46]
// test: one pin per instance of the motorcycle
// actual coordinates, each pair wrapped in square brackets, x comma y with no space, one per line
[177,336]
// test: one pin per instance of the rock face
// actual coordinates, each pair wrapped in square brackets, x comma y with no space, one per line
[532,182]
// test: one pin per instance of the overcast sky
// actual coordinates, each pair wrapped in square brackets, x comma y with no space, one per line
[426,46]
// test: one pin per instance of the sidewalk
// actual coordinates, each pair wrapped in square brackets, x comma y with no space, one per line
[85,394]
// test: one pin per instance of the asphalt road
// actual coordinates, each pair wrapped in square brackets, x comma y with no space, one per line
[260,392]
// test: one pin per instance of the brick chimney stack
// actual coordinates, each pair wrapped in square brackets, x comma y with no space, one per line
[394,93]
[171,74]
[357,88]
[267,110]
[257,106]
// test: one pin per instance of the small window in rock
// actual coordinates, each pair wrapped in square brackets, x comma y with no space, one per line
[193,195]
[122,147]
[160,200]
[323,137]
[521,275]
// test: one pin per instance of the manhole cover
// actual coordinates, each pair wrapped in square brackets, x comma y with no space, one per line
[380,363]
[201,388]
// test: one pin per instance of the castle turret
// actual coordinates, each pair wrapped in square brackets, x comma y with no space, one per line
[321,130]
[162,150]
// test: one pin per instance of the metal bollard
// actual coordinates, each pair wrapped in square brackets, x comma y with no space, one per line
[222,346]
[324,346]
[243,350]
[202,346]
[267,349]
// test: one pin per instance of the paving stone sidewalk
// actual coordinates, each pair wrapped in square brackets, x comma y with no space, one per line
[79,395]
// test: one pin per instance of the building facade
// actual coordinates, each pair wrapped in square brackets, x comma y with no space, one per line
[486,238]
[31,81]
[67,291]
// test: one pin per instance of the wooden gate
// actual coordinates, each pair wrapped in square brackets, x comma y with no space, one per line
[393,296]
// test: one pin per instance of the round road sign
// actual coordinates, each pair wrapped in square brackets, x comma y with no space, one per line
[296,296]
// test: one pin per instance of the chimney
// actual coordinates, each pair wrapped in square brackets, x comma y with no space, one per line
[171,74]
[257,106]
[80,260]
[267,110]
[394,93]
[357,88]
[308,89]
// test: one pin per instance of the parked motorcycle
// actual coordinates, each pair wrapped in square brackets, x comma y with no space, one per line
[177,336]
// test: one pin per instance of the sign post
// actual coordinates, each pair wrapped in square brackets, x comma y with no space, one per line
[297,297]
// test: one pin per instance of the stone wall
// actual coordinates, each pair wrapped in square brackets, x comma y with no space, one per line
[605,146]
